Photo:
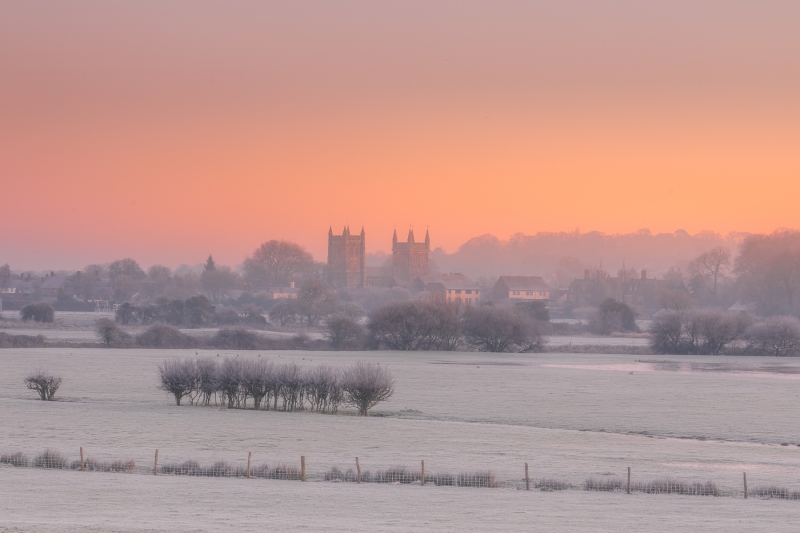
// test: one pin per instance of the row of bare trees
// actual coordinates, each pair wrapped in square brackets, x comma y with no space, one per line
[238,382]
[710,332]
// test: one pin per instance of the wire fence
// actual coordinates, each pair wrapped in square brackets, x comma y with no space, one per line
[355,472]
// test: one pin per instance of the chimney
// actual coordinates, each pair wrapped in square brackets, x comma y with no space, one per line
[644,274]
[291,284]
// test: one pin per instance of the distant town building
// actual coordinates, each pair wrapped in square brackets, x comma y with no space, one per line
[453,288]
[520,288]
[597,285]
[410,258]
[347,264]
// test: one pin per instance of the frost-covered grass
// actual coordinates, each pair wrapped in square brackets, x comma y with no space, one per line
[74,502]
[569,416]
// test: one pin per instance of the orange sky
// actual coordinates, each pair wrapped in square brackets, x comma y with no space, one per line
[168,130]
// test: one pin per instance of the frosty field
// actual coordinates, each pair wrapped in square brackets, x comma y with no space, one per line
[568,416]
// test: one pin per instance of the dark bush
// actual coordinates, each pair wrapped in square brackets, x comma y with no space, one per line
[238,339]
[613,316]
[344,333]
[38,312]
[164,336]
[44,383]
[21,341]
[111,334]
[704,332]
[534,309]
[415,325]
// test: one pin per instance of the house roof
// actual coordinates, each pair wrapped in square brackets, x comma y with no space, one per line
[452,281]
[54,282]
[524,283]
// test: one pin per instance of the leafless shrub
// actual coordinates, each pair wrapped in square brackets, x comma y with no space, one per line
[337,474]
[228,380]
[483,479]
[367,384]
[397,474]
[672,486]
[15,459]
[43,383]
[778,336]
[205,369]
[49,459]
[93,465]
[324,389]
[774,491]
[178,378]
[257,380]
[187,468]
[605,484]
[551,484]
[290,380]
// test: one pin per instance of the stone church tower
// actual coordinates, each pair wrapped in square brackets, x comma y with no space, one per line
[347,264]
[410,258]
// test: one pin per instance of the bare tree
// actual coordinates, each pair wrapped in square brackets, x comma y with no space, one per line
[177,378]
[284,312]
[769,272]
[666,333]
[218,279]
[500,329]
[126,276]
[44,383]
[256,380]
[315,301]
[276,263]
[709,270]
[5,276]
[367,384]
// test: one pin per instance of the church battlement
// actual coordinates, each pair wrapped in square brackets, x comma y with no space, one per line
[410,258]
[347,259]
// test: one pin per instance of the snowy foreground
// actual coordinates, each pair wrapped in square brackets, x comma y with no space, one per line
[570,417]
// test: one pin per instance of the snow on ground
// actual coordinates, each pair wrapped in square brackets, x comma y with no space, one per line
[570,416]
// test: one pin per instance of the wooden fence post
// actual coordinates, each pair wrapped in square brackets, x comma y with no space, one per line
[629,480]
[249,456]
[745,484]
[358,471]
[527,478]
[81,458]
[422,479]
[302,468]
[155,464]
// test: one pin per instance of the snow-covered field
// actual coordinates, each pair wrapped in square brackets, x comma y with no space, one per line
[568,416]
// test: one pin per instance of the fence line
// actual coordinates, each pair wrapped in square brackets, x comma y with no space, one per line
[355,473]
